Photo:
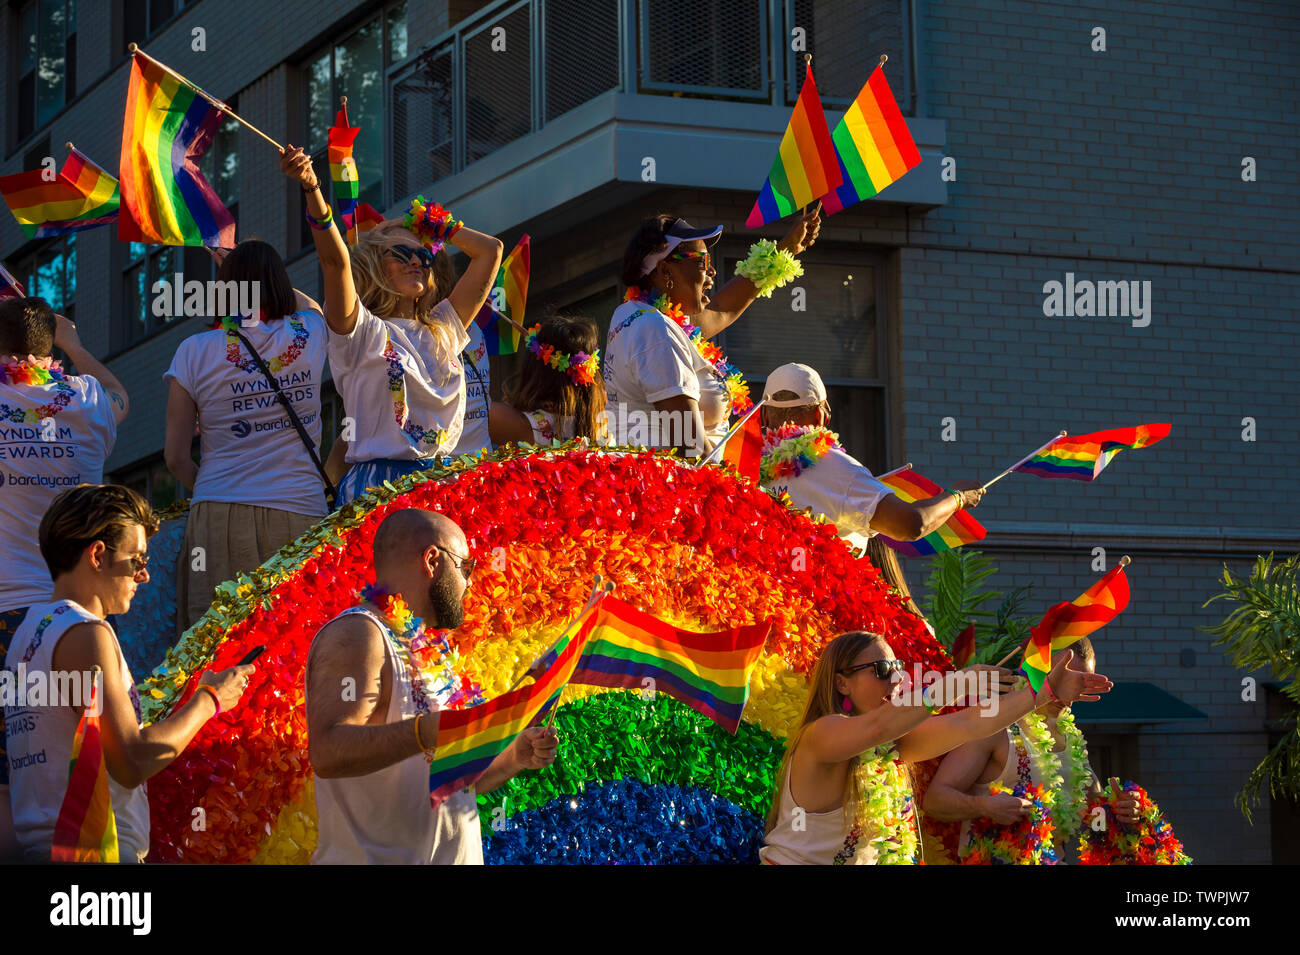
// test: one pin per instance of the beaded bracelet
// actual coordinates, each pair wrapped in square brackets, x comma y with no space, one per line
[320,225]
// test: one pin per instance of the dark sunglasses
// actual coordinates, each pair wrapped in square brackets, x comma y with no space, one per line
[691,256]
[881,668]
[404,253]
[138,564]
[465,565]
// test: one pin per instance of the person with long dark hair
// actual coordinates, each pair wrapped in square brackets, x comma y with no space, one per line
[558,393]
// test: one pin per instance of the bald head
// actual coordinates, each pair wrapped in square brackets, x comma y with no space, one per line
[405,535]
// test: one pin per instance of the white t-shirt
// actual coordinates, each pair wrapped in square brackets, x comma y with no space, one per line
[39,739]
[402,425]
[474,436]
[37,462]
[649,358]
[840,487]
[250,451]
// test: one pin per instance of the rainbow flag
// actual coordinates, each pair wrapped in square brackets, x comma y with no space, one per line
[963,648]
[10,287]
[343,168]
[86,830]
[744,447]
[1097,606]
[469,739]
[1038,658]
[1084,456]
[873,145]
[709,672]
[805,166]
[959,529]
[165,198]
[81,196]
[510,290]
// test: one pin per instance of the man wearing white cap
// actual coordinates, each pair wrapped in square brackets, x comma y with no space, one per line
[803,459]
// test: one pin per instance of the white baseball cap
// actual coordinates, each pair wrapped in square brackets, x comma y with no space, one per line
[802,380]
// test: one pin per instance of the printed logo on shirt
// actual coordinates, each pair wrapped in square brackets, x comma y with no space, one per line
[41,480]
[242,429]
[256,392]
[32,442]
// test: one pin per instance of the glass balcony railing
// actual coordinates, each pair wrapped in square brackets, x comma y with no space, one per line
[518,65]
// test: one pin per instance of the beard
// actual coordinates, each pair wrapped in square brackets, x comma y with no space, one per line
[447,599]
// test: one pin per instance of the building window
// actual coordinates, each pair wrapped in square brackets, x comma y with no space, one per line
[51,273]
[141,19]
[151,479]
[46,54]
[353,67]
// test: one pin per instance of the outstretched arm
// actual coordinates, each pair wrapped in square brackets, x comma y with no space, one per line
[534,748]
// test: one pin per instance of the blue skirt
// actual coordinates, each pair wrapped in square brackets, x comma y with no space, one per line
[364,475]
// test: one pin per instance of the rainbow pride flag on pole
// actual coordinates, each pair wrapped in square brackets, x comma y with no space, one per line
[10,287]
[959,529]
[805,166]
[343,168]
[1083,457]
[1097,606]
[86,830]
[873,145]
[1038,659]
[168,126]
[81,196]
[506,301]
[709,672]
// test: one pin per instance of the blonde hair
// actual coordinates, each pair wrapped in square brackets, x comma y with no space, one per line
[824,700]
[370,276]
[886,561]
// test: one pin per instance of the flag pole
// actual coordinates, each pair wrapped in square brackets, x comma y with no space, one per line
[1123,562]
[716,453]
[990,483]
[592,600]
[605,591]
[134,48]
[905,467]
[343,103]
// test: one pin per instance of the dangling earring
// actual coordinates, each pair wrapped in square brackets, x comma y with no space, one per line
[847,705]
[669,286]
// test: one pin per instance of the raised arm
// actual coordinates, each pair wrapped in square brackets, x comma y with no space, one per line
[336,265]
[65,337]
[345,688]
[181,415]
[471,291]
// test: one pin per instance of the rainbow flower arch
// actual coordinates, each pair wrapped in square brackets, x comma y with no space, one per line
[639,779]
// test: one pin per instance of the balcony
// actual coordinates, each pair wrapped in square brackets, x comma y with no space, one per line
[529,104]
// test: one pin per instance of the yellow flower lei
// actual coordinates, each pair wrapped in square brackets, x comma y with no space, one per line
[885,807]
[1074,800]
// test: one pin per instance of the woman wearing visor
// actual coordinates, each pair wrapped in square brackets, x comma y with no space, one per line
[396,336]
[668,384]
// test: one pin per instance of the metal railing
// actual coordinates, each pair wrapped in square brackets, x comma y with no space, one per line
[517,65]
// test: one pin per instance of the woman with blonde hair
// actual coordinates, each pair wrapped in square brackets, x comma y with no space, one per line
[396,336]
[558,394]
[843,792]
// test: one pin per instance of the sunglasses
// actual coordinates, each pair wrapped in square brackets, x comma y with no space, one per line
[691,256]
[881,668]
[404,254]
[138,564]
[465,565]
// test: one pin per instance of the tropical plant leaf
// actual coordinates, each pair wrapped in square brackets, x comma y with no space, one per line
[956,596]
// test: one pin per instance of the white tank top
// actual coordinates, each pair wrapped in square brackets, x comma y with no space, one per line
[822,838]
[40,742]
[385,818]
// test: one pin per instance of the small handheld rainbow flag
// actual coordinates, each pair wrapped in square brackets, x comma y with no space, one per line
[81,196]
[507,300]
[165,198]
[709,672]
[1093,609]
[805,166]
[1038,658]
[1083,457]
[10,287]
[343,168]
[963,648]
[959,529]
[86,830]
[743,448]
[873,145]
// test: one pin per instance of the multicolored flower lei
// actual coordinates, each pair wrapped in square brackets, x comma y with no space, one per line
[429,656]
[1073,801]
[432,224]
[35,371]
[1028,842]
[581,368]
[282,360]
[792,449]
[1150,842]
[417,435]
[737,390]
[885,807]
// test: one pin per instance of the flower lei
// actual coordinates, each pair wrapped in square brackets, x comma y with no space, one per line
[429,658]
[737,390]
[1030,841]
[431,223]
[36,371]
[1150,842]
[1075,798]
[581,368]
[792,449]
[397,386]
[885,806]
[768,267]
[287,357]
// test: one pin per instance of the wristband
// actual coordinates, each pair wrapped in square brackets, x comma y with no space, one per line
[320,225]
[311,188]
[428,753]
[960,498]
[215,699]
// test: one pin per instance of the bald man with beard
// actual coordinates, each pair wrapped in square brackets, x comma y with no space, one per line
[369,726]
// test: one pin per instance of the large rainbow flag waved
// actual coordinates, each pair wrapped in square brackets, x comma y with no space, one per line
[959,529]
[81,196]
[805,166]
[86,830]
[709,672]
[511,291]
[165,198]
[1084,456]
[873,145]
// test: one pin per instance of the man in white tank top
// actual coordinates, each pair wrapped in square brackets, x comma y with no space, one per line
[371,728]
[93,538]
